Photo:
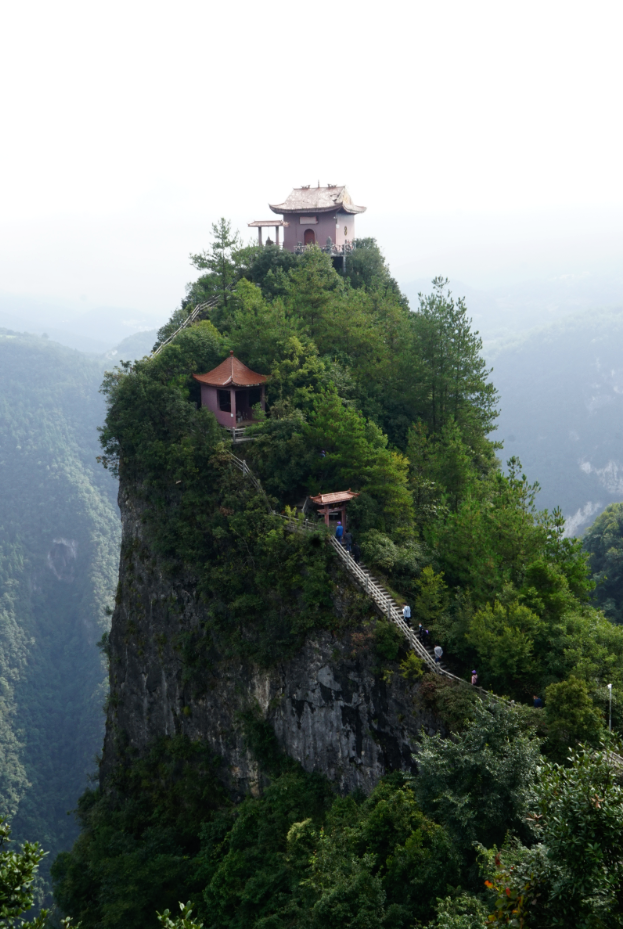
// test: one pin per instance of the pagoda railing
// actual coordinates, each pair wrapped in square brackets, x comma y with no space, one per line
[331,249]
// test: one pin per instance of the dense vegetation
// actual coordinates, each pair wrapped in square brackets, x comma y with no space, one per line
[399,406]
[486,827]
[59,537]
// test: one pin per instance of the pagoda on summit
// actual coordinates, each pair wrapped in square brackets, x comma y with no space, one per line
[322,216]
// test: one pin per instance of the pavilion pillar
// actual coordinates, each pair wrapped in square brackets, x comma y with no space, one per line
[259,235]
[277,236]
[263,397]
[232,394]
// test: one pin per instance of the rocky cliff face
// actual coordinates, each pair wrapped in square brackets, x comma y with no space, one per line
[331,706]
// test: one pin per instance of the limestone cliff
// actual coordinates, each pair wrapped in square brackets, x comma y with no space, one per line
[330,705]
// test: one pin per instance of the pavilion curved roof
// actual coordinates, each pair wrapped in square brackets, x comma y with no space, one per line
[341,496]
[317,200]
[231,373]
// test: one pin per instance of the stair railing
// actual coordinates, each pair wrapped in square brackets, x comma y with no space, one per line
[190,319]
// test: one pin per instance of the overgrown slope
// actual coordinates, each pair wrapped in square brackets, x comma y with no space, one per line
[221,606]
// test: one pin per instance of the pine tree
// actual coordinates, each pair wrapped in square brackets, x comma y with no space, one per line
[452,375]
[220,260]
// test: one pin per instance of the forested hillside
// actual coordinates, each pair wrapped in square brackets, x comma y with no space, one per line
[561,404]
[219,594]
[59,541]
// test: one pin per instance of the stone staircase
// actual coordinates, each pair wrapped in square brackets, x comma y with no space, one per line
[386,605]
[397,610]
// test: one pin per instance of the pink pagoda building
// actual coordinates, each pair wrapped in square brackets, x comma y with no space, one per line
[323,216]
[231,390]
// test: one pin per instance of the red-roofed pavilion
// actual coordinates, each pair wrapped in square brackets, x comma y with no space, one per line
[334,505]
[231,390]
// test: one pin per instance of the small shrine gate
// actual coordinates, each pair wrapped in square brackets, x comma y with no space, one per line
[333,505]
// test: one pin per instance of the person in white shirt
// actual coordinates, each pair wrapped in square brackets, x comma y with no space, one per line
[406,614]
[438,653]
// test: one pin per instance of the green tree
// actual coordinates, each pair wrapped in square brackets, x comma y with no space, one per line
[465,911]
[259,329]
[573,875]
[357,456]
[572,717]
[344,888]
[185,921]
[452,376]
[366,268]
[476,784]
[426,492]
[313,285]
[17,875]
[431,601]
[504,636]
[268,267]
[492,536]
[222,262]
[603,541]
[297,377]
[451,466]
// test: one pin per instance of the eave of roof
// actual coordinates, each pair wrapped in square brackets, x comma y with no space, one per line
[284,210]
[231,373]
[341,496]
[271,223]
[317,200]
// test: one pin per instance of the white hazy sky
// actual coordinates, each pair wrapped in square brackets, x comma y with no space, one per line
[484,137]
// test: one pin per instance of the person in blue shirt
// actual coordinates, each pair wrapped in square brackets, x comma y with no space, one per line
[339,532]
[406,614]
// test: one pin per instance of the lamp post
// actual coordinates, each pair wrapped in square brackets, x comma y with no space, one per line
[610,713]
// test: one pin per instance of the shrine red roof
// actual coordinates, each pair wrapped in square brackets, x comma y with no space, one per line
[231,373]
[342,496]
[317,200]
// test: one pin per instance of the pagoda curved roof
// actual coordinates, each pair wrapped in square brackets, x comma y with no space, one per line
[231,373]
[340,496]
[317,200]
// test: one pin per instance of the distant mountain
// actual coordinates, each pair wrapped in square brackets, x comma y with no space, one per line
[503,312]
[135,346]
[562,410]
[95,330]
[59,541]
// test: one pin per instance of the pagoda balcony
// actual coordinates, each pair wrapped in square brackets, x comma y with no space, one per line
[329,249]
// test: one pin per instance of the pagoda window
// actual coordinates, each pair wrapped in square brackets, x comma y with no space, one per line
[224,401]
